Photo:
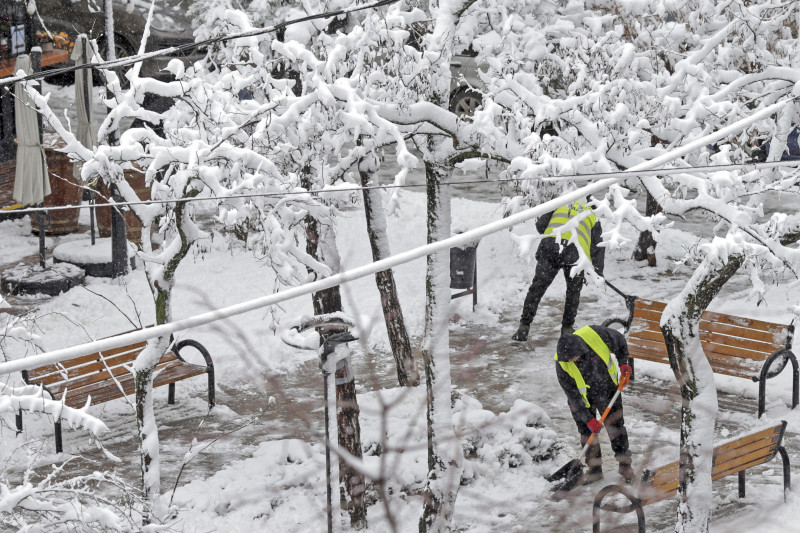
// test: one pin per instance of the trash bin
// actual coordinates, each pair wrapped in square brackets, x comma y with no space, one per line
[462,266]
[464,271]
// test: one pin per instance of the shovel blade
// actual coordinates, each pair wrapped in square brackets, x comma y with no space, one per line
[562,472]
[571,473]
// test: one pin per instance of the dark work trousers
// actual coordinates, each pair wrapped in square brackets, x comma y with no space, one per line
[615,426]
[546,272]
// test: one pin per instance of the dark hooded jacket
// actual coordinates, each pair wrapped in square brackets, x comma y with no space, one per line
[551,250]
[593,369]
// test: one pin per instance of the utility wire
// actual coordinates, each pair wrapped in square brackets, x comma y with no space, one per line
[573,177]
[171,51]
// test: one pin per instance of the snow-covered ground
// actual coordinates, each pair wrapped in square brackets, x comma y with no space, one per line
[515,426]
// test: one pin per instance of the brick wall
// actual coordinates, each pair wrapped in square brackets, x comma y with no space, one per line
[7,169]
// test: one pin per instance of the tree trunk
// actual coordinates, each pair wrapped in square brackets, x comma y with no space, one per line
[161,278]
[143,368]
[407,374]
[646,247]
[444,449]
[680,325]
[321,245]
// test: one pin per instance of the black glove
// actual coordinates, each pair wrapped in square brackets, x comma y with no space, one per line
[521,333]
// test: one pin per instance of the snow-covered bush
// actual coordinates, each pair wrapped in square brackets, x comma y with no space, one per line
[57,502]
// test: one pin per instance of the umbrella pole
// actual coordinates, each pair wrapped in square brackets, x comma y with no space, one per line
[91,215]
[36,63]
[86,73]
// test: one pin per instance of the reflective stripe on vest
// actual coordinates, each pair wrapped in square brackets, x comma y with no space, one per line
[596,343]
[563,214]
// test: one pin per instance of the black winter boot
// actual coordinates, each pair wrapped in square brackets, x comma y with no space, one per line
[595,473]
[626,472]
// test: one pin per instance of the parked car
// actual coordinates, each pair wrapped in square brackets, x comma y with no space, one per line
[464,98]
[169,27]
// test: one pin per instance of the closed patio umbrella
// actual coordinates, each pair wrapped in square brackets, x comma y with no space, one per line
[83,97]
[87,136]
[31,182]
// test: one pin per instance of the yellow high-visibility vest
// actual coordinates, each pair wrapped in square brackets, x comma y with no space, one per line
[563,214]
[596,343]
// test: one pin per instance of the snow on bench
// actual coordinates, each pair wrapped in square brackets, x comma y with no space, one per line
[736,346]
[105,376]
[731,457]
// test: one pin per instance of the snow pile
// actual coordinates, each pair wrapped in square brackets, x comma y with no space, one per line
[395,433]
[269,488]
[282,486]
[518,437]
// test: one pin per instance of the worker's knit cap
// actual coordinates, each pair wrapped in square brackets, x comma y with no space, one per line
[571,346]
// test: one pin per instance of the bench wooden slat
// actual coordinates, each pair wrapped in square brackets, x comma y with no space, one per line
[646,349]
[729,458]
[775,339]
[768,437]
[90,382]
[668,484]
[100,373]
[772,333]
[104,376]
[753,461]
[722,343]
[55,373]
[107,391]
[78,361]
[722,364]
[663,475]
[710,316]
[98,365]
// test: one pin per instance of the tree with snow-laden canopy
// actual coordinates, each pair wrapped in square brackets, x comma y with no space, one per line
[570,88]
[622,83]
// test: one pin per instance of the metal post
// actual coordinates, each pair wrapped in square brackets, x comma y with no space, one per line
[40,219]
[36,66]
[325,392]
[30,31]
[86,73]
[91,215]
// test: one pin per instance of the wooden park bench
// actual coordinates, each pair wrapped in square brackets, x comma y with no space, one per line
[734,345]
[732,457]
[105,376]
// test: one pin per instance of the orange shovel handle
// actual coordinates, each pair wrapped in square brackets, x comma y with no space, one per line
[622,382]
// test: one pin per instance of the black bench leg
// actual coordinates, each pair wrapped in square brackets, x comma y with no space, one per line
[787,472]
[59,445]
[19,422]
[211,398]
[741,484]
[171,394]
[475,285]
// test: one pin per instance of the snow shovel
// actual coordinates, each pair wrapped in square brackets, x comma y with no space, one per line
[572,471]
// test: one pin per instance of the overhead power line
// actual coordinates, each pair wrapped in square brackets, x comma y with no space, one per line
[572,177]
[130,60]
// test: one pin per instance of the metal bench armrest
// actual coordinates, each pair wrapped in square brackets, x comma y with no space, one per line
[780,357]
[197,346]
[209,366]
[635,505]
[630,303]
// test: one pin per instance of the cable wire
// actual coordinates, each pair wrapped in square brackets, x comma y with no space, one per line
[130,60]
[573,177]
